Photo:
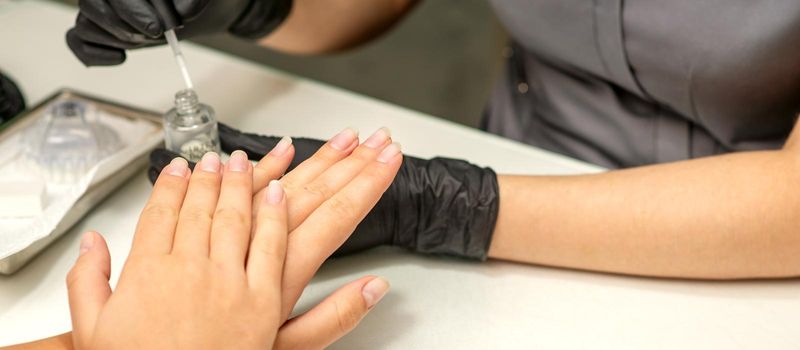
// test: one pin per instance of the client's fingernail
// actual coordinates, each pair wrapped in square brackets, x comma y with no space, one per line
[374,291]
[378,138]
[87,241]
[274,192]
[210,162]
[389,153]
[282,146]
[178,167]
[238,161]
[344,139]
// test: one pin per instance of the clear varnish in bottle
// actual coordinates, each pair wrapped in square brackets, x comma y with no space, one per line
[191,127]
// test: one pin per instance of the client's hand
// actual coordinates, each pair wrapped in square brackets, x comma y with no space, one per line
[196,279]
[190,280]
[333,190]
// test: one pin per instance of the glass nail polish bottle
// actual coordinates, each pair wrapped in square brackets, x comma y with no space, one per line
[191,127]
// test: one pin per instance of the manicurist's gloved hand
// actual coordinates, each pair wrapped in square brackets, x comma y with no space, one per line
[104,29]
[437,206]
[11,100]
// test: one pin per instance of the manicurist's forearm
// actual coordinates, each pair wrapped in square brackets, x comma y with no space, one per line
[320,26]
[731,216]
[59,342]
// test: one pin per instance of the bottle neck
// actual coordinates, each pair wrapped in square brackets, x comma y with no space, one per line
[186,102]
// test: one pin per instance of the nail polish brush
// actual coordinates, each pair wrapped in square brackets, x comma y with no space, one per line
[190,128]
[169,18]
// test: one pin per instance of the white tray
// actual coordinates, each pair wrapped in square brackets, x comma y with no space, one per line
[107,179]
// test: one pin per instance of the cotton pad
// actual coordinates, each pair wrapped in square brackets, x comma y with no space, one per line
[21,198]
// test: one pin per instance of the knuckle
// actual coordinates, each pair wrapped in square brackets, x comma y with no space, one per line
[328,154]
[232,216]
[342,207]
[262,176]
[267,301]
[195,215]
[379,175]
[269,251]
[193,271]
[364,154]
[159,211]
[76,274]
[289,184]
[319,189]
[72,276]
[267,167]
[347,316]
[270,219]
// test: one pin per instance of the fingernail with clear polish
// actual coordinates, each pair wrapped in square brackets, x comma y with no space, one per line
[178,167]
[389,153]
[282,146]
[374,291]
[87,241]
[210,162]
[238,161]
[274,192]
[378,138]
[344,139]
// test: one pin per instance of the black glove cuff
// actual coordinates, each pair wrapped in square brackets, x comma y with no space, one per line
[260,18]
[451,206]
[11,100]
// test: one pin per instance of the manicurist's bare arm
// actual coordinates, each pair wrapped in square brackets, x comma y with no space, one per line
[723,217]
[321,26]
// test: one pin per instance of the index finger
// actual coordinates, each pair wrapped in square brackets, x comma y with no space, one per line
[330,225]
[268,247]
[231,226]
[159,218]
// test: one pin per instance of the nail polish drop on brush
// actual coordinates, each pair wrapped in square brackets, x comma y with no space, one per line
[191,127]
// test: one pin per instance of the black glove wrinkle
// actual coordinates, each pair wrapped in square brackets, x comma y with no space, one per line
[141,17]
[91,54]
[455,205]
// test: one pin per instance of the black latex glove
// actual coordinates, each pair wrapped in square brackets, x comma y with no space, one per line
[104,29]
[11,100]
[437,206]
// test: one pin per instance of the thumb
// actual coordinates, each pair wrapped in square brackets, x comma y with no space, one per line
[334,317]
[87,285]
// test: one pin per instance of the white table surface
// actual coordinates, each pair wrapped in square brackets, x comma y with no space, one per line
[434,302]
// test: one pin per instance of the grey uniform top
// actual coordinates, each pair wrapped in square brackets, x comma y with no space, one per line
[625,83]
